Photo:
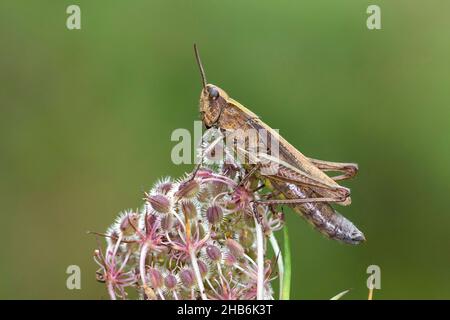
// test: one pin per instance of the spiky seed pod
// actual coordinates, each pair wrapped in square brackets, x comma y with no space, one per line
[230,260]
[187,278]
[214,214]
[203,195]
[160,203]
[129,224]
[188,189]
[156,278]
[168,222]
[213,253]
[170,281]
[189,209]
[164,186]
[112,236]
[216,188]
[203,267]
[235,248]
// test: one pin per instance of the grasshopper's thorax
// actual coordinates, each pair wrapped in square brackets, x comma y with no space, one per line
[212,101]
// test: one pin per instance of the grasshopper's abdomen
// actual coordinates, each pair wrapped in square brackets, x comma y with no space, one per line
[321,215]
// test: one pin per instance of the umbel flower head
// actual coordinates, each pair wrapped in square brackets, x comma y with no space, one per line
[199,237]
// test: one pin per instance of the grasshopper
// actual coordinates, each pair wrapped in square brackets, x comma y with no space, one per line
[299,181]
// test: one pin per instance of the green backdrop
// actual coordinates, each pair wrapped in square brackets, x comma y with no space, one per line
[86,117]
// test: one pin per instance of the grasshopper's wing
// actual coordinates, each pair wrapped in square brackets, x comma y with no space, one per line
[294,167]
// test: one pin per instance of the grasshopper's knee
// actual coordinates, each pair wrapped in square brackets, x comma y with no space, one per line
[343,197]
[352,169]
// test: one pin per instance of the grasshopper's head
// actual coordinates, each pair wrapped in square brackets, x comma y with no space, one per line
[212,99]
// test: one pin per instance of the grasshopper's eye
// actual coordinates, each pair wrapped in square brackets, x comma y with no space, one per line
[213,92]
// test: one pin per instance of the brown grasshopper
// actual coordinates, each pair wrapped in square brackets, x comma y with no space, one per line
[299,181]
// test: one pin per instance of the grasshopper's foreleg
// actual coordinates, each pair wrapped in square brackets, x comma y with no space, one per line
[349,169]
[247,177]
[249,174]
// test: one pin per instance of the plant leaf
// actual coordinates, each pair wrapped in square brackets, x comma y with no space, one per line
[340,295]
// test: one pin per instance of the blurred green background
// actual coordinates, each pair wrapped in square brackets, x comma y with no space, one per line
[86,118]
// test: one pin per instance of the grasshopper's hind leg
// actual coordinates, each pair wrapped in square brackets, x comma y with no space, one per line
[349,170]
[298,201]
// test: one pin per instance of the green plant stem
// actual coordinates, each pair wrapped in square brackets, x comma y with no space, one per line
[287,266]
[280,263]
[260,261]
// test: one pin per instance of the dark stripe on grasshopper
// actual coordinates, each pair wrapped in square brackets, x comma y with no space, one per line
[321,215]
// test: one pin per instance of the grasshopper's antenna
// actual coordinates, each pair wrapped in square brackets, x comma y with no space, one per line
[200,65]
